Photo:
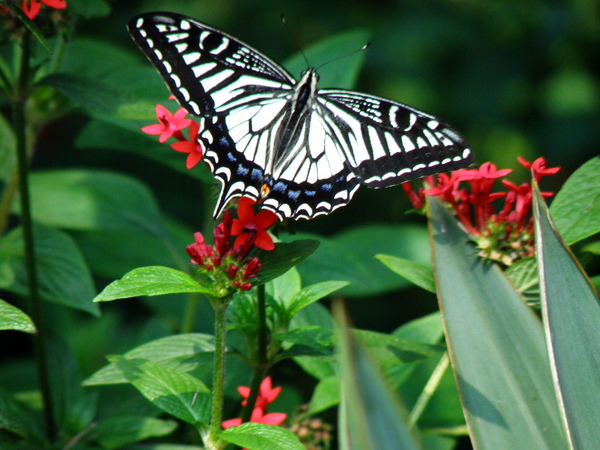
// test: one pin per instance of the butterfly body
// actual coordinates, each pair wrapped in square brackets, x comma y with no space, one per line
[302,151]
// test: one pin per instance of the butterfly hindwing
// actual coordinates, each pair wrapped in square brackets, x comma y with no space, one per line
[387,143]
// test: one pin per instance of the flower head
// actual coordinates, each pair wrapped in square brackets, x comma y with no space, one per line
[169,124]
[31,8]
[266,395]
[191,147]
[251,227]
[505,235]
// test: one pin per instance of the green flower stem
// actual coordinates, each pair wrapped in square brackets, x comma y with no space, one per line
[261,367]
[428,390]
[35,303]
[216,416]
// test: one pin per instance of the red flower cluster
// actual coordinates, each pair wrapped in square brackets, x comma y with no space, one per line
[170,125]
[266,395]
[506,235]
[226,265]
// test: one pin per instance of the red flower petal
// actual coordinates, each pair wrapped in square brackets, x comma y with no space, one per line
[265,219]
[56,4]
[32,9]
[263,240]
[273,418]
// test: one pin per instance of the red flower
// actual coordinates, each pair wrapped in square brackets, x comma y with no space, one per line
[192,147]
[504,236]
[31,8]
[538,167]
[170,124]
[266,395]
[251,227]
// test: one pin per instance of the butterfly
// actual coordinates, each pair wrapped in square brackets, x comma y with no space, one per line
[299,150]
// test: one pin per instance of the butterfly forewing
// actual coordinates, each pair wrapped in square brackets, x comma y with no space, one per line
[206,70]
[333,140]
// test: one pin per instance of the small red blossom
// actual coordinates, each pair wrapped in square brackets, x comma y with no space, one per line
[266,395]
[191,147]
[538,167]
[226,268]
[251,227]
[31,8]
[170,125]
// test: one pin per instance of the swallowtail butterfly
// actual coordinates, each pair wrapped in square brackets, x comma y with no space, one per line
[303,151]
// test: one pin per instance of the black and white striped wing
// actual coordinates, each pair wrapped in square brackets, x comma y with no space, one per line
[387,143]
[208,71]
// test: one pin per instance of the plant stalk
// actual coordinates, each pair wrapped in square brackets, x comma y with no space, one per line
[428,390]
[35,302]
[216,416]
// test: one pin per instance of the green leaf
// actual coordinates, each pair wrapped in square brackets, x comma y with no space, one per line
[496,344]
[334,74]
[571,312]
[92,200]
[258,436]
[149,281]
[12,318]
[389,349]
[116,432]
[173,352]
[325,395]
[349,256]
[93,95]
[594,248]
[16,419]
[576,208]
[319,340]
[283,258]
[8,146]
[176,393]
[418,274]
[63,276]
[91,8]
[311,294]
[371,417]
[524,276]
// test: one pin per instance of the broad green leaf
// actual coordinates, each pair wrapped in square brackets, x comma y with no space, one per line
[118,431]
[8,149]
[523,274]
[349,256]
[176,393]
[93,200]
[283,288]
[73,407]
[149,281]
[496,344]
[315,315]
[16,419]
[416,273]
[576,208]
[389,349]
[371,416]
[334,74]
[283,258]
[173,352]
[258,436]
[571,312]
[594,248]
[311,294]
[12,318]
[325,395]
[318,340]
[63,276]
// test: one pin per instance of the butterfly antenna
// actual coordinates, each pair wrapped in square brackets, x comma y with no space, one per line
[293,40]
[364,47]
